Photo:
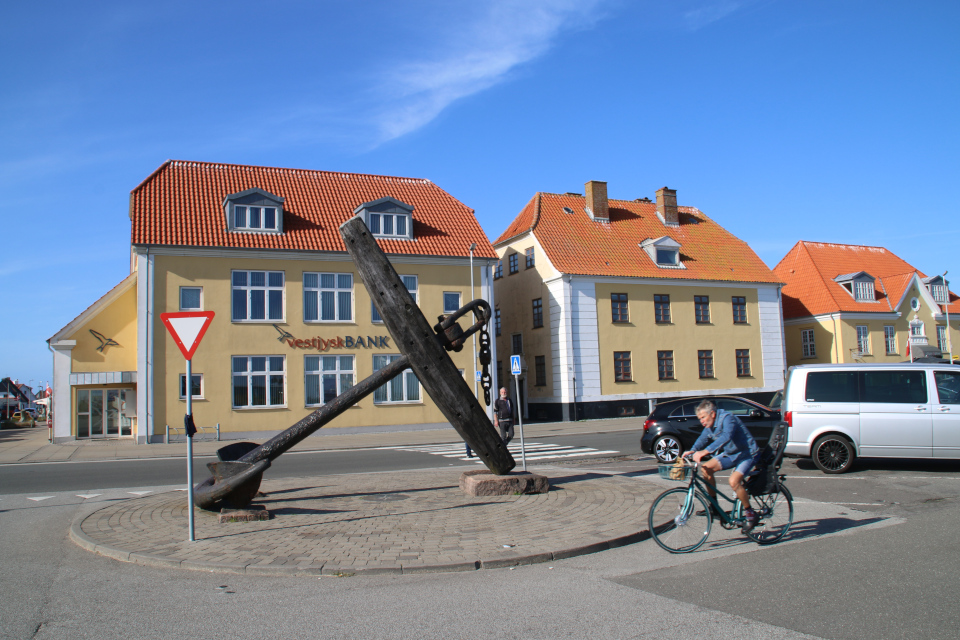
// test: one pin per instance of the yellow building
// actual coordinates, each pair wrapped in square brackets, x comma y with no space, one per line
[616,303]
[852,303]
[294,325]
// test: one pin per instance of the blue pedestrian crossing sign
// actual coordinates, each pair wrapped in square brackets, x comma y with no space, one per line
[515,365]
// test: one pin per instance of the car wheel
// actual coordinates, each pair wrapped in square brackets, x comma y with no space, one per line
[833,454]
[667,448]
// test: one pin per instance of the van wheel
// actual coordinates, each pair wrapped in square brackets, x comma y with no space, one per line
[833,454]
[667,448]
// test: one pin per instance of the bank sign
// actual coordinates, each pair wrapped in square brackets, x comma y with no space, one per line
[340,342]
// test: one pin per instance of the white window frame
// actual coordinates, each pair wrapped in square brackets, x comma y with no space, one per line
[339,313]
[409,385]
[890,339]
[181,388]
[916,330]
[941,337]
[863,339]
[247,211]
[408,281]
[379,221]
[864,291]
[248,290]
[448,310]
[939,293]
[198,307]
[809,343]
[249,374]
[315,367]
[668,257]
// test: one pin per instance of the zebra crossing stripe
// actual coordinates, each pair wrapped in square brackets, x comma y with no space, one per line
[534,451]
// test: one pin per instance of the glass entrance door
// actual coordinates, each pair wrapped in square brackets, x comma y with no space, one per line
[100,413]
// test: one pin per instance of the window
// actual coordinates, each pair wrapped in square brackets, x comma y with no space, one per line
[257,295]
[410,282]
[705,363]
[948,386]
[900,387]
[451,302]
[890,339]
[739,310]
[941,338]
[663,251]
[661,308]
[516,341]
[667,256]
[538,313]
[500,382]
[259,381]
[514,263]
[832,386]
[540,367]
[387,218]
[498,272]
[389,224]
[197,390]
[528,254]
[326,377]
[191,298]
[621,366]
[864,291]
[496,322]
[939,293]
[916,328]
[254,218]
[701,306]
[403,388]
[618,307]
[863,338]
[327,297]
[665,365]
[743,363]
[809,348]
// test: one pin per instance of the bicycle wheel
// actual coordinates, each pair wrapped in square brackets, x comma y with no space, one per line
[674,521]
[776,516]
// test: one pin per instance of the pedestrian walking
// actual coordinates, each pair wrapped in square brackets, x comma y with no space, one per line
[503,416]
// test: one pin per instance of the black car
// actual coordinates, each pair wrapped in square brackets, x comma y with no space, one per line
[672,427]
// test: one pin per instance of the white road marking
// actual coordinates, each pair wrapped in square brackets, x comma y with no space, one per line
[40,498]
[534,451]
[139,493]
[90,495]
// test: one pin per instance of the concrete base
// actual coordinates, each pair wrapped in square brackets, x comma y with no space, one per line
[251,514]
[485,483]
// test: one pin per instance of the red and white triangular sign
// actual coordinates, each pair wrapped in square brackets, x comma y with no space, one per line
[187,329]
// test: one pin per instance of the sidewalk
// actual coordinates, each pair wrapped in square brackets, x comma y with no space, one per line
[31,445]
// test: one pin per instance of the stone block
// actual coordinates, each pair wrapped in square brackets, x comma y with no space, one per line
[482,482]
[251,514]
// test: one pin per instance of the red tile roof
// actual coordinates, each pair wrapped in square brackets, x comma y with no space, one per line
[181,204]
[578,245]
[809,268]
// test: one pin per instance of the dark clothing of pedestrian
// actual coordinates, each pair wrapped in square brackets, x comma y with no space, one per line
[503,410]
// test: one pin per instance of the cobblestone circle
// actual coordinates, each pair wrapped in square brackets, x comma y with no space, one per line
[400,522]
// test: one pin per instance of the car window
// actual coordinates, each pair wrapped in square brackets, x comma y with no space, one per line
[948,386]
[686,410]
[903,387]
[734,407]
[831,386]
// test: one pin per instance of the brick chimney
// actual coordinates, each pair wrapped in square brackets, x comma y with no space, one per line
[667,207]
[597,207]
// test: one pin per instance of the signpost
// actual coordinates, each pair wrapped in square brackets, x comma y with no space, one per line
[515,370]
[187,329]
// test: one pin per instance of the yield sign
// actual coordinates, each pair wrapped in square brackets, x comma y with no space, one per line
[187,329]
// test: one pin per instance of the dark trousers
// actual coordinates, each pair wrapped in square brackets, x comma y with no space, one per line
[506,430]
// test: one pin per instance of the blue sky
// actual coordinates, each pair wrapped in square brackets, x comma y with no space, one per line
[817,120]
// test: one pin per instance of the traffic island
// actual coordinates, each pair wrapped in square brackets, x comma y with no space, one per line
[482,482]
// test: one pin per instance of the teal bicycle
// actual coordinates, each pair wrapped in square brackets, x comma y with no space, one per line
[680,519]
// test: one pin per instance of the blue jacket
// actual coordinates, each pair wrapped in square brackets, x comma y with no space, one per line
[729,435]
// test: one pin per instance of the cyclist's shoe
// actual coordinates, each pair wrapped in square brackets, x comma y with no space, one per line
[752,520]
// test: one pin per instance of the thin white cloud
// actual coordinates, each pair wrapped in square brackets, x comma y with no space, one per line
[702,16]
[506,35]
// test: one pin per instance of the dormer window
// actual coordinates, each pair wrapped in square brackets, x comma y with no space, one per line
[254,210]
[387,218]
[937,287]
[664,251]
[860,285]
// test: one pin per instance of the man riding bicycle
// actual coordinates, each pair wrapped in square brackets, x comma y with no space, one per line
[723,432]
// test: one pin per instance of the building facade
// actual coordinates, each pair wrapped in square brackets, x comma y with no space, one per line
[294,325]
[853,303]
[615,303]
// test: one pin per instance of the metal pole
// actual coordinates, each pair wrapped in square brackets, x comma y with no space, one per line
[523,451]
[190,450]
[946,285]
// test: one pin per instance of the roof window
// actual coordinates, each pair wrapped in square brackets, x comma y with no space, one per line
[254,210]
[664,251]
[937,287]
[387,218]
[860,285]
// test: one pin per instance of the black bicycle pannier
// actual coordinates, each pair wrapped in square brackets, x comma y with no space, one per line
[765,477]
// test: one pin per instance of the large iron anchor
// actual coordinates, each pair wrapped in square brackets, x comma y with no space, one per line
[236,478]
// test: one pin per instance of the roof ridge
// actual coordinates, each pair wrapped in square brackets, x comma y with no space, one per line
[536,213]
[844,244]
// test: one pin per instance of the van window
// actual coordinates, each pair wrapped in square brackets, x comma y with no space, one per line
[831,386]
[904,387]
[948,386]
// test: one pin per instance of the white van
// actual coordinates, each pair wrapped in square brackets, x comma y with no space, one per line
[838,412]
